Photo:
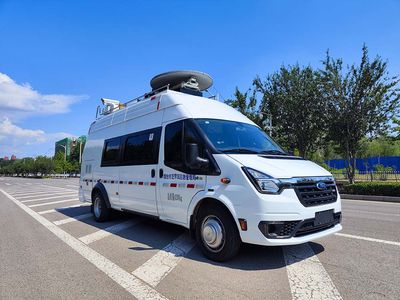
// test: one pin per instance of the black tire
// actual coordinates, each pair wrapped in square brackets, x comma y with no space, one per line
[100,210]
[231,243]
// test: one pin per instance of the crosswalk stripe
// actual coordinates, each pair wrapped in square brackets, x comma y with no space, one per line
[40,195]
[98,235]
[61,209]
[73,219]
[54,202]
[18,194]
[48,198]
[308,278]
[130,283]
[161,264]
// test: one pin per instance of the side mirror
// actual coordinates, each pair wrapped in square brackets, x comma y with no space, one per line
[192,159]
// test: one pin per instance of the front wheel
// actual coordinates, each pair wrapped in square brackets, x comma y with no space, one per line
[217,234]
[100,210]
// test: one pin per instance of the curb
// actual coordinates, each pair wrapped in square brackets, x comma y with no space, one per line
[371,198]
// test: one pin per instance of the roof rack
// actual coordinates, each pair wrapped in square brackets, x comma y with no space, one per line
[114,105]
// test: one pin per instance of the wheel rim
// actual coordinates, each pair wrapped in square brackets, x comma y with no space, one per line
[213,233]
[97,207]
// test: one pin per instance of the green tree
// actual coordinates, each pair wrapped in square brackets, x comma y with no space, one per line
[292,98]
[43,165]
[362,99]
[246,104]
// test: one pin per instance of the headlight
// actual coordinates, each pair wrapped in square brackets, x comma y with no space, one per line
[263,182]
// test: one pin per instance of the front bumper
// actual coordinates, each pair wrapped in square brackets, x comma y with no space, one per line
[289,229]
[286,209]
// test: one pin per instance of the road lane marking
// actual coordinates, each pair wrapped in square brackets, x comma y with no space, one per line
[54,202]
[33,192]
[367,202]
[61,209]
[354,211]
[161,264]
[308,278]
[59,194]
[357,237]
[6,183]
[73,219]
[98,235]
[130,283]
[74,186]
[48,198]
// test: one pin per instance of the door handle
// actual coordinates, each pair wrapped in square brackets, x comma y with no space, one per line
[153,173]
[161,173]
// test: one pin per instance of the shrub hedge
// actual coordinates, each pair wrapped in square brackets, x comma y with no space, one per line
[372,188]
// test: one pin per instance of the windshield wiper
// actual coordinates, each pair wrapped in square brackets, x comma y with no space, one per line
[273,152]
[240,150]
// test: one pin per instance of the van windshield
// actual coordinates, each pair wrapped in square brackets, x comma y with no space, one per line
[237,137]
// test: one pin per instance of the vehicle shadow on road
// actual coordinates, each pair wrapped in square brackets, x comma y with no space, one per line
[152,234]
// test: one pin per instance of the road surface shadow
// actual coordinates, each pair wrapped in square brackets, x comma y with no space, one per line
[155,234]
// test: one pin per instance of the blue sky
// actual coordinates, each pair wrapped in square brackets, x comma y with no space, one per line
[58,58]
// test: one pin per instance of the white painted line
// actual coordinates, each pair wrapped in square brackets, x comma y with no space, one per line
[6,183]
[357,212]
[57,187]
[32,192]
[40,195]
[161,264]
[130,283]
[61,209]
[73,219]
[308,279]
[48,198]
[54,202]
[74,186]
[98,235]
[357,237]
[369,202]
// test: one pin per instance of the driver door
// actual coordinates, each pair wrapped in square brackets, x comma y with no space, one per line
[177,183]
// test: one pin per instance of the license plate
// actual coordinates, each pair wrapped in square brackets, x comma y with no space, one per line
[323,217]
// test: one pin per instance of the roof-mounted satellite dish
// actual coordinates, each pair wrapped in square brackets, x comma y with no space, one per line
[192,82]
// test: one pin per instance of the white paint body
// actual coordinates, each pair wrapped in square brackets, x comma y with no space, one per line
[240,196]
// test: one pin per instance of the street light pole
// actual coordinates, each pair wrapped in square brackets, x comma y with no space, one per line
[269,118]
[80,152]
[65,152]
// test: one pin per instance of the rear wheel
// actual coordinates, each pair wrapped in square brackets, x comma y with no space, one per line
[217,233]
[100,210]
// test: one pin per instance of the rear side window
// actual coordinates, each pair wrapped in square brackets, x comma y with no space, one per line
[111,152]
[142,148]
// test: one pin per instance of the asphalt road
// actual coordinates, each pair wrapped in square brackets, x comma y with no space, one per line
[50,248]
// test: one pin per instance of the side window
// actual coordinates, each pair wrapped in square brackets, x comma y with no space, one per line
[173,145]
[110,152]
[190,137]
[142,148]
[177,135]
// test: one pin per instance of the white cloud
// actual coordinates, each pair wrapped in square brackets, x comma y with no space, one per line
[22,98]
[18,140]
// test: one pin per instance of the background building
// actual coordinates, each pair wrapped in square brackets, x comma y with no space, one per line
[71,147]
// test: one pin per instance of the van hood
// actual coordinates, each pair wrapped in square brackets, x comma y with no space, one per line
[280,166]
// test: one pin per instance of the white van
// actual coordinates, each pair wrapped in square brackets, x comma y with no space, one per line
[196,162]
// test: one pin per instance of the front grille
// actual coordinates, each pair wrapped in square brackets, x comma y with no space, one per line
[310,195]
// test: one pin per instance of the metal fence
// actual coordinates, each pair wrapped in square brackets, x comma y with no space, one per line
[370,176]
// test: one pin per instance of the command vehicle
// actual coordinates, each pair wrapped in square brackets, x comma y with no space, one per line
[194,161]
